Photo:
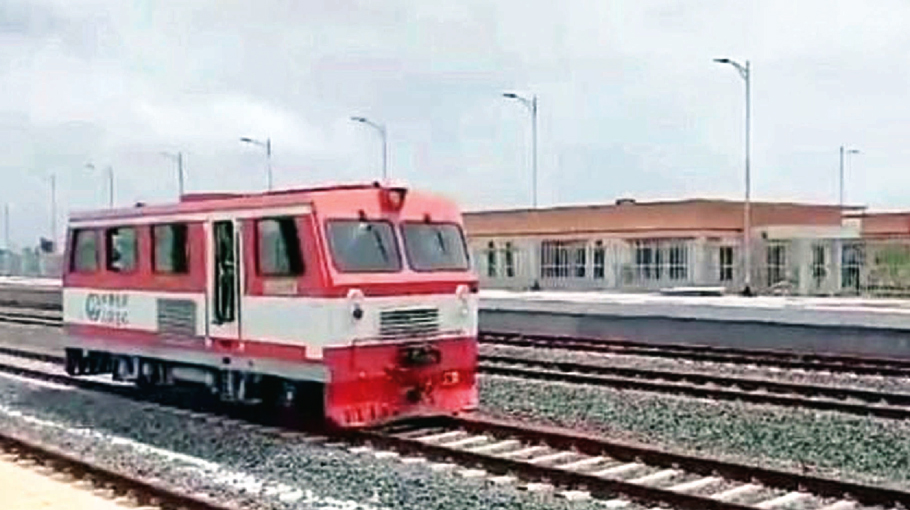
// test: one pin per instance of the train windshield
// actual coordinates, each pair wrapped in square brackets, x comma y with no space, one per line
[364,246]
[435,247]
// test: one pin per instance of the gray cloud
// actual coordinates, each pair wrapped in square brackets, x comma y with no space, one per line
[630,100]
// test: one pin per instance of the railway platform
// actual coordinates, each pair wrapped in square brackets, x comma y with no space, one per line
[847,326]
[23,487]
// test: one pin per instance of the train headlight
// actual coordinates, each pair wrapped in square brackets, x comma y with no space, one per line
[463,293]
[355,297]
[393,198]
[450,378]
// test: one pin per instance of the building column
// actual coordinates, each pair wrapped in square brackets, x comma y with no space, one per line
[701,260]
[837,259]
[531,271]
[801,264]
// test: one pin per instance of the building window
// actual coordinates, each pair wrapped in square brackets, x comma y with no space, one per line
[491,259]
[658,259]
[553,260]
[171,254]
[819,268]
[777,263]
[580,261]
[679,262]
[85,251]
[509,260]
[726,263]
[121,249]
[278,247]
[644,260]
[560,259]
[852,259]
[599,260]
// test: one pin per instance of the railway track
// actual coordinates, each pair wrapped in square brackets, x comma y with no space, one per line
[761,391]
[781,359]
[717,387]
[31,318]
[126,490]
[578,465]
[584,466]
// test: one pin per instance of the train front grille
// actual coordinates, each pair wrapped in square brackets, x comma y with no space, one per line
[419,322]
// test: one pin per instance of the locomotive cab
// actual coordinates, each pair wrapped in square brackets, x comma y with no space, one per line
[412,313]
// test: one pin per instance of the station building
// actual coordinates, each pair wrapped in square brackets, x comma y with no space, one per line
[797,248]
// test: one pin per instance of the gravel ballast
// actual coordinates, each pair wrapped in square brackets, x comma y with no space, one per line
[868,449]
[845,380]
[234,462]
[825,443]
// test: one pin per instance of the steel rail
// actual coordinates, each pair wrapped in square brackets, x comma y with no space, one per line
[783,359]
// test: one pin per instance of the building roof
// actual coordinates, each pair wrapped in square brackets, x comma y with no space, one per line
[884,224]
[689,215]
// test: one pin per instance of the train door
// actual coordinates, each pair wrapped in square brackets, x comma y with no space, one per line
[224,261]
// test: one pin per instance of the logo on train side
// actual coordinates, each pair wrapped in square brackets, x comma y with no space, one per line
[107,308]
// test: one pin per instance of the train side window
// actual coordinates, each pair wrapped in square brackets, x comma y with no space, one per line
[121,249]
[171,253]
[278,244]
[85,251]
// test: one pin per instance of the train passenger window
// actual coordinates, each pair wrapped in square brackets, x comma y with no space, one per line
[278,247]
[171,254]
[85,251]
[363,246]
[435,247]
[121,249]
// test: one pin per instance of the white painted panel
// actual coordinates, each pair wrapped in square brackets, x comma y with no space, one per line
[314,322]
[319,322]
[123,309]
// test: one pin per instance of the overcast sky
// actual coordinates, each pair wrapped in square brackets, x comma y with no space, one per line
[630,101]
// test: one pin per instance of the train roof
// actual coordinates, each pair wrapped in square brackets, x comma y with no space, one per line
[219,201]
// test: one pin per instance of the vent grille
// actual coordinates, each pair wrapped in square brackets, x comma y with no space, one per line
[177,317]
[408,323]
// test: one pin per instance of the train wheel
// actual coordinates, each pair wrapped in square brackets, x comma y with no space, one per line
[271,392]
[149,374]
[73,361]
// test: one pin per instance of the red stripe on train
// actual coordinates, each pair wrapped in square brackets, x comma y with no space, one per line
[223,346]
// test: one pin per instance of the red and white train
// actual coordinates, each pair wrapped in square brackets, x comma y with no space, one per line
[356,301]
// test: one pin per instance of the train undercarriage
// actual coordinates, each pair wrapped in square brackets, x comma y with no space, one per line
[411,379]
[227,385]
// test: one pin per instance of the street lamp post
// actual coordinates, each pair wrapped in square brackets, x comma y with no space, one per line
[839,244]
[745,71]
[179,158]
[843,153]
[531,104]
[385,143]
[267,144]
[54,211]
[110,182]
[6,229]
